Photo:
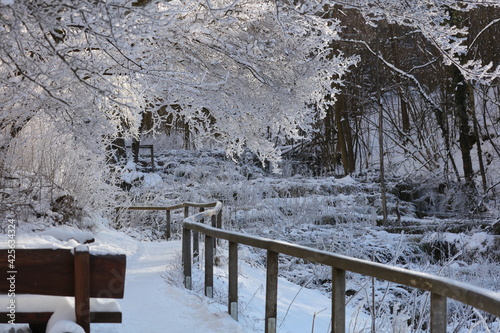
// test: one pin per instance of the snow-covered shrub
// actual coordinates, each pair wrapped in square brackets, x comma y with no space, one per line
[53,175]
[441,246]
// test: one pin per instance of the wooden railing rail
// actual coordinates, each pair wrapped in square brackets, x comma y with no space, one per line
[216,222]
[440,288]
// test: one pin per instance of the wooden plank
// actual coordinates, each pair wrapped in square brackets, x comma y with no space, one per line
[52,271]
[438,313]
[106,317]
[338,300]
[271,292]
[258,242]
[233,281]
[26,318]
[62,273]
[43,317]
[107,275]
[219,220]
[209,266]
[199,205]
[47,270]
[173,207]
[82,287]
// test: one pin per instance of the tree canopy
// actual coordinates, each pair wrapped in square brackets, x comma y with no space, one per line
[247,73]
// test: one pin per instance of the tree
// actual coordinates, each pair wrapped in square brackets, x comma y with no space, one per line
[429,56]
[249,73]
[246,71]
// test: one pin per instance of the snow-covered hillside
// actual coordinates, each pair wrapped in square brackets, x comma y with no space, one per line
[335,214]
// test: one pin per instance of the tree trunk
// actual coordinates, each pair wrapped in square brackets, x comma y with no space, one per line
[381,136]
[329,153]
[344,138]
[479,151]
[464,100]
[116,150]
[405,117]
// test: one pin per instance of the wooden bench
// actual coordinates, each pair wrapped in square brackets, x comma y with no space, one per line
[61,272]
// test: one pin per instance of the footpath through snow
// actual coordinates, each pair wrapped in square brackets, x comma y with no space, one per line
[151,305]
[155,301]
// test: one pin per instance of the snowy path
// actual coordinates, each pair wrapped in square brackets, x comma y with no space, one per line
[154,305]
[151,305]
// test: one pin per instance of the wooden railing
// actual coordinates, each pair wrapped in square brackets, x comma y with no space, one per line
[216,220]
[440,288]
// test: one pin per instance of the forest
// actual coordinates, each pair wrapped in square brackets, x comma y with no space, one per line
[366,128]
[405,90]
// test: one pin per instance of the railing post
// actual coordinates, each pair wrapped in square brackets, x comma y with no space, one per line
[438,313]
[338,300]
[202,220]
[233,281]
[117,212]
[209,266]
[271,291]
[82,287]
[152,159]
[186,256]
[196,241]
[219,219]
[167,233]
[214,224]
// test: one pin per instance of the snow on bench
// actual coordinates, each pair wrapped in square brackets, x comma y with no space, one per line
[61,287]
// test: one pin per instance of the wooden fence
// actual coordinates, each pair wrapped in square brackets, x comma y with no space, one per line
[440,288]
[216,219]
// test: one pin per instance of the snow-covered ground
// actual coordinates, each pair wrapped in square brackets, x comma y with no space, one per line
[329,213]
[155,301]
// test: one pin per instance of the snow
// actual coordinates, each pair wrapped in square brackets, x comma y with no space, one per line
[41,303]
[131,174]
[347,180]
[65,233]
[155,299]
[149,179]
[66,326]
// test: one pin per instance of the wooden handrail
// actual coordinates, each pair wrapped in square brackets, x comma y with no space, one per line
[216,205]
[178,206]
[441,288]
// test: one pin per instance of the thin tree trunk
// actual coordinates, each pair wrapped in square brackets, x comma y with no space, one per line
[341,140]
[328,158]
[187,140]
[466,138]
[479,149]
[381,136]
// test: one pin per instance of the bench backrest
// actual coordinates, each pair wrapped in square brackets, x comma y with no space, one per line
[52,272]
